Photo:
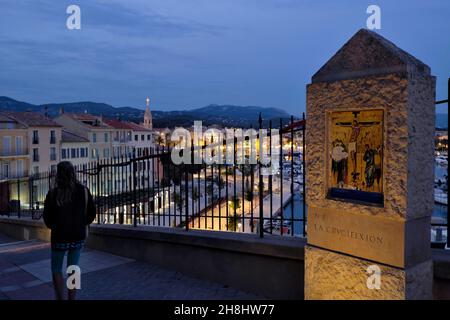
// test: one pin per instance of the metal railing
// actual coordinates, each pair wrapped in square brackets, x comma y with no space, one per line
[438,226]
[151,190]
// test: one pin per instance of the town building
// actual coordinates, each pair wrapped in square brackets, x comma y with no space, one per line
[90,127]
[14,157]
[30,144]
[130,139]
[441,140]
[74,148]
[142,139]
[122,136]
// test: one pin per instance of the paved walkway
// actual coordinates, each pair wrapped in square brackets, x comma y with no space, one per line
[25,274]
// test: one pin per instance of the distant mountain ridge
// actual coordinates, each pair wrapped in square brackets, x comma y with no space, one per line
[225,115]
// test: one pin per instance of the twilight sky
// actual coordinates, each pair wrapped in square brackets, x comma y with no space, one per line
[191,53]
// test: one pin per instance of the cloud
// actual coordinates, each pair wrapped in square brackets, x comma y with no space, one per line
[196,52]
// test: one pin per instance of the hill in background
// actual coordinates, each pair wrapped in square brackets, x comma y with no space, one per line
[225,115]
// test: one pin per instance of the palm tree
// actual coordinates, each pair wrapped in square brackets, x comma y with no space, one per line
[233,221]
[159,140]
[235,203]
[195,194]
[249,195]
[178,200]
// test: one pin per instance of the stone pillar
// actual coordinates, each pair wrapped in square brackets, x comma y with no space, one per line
[370,174]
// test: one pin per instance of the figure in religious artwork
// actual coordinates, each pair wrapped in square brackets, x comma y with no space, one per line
[378,164]
[369,159]
[353,140]
[339,156]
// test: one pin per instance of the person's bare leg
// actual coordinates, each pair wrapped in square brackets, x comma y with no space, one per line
[71,294]
[73,258]
[58,284]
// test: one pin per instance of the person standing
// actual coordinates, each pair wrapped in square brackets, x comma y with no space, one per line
[339,155]
[68,210]
[369,158]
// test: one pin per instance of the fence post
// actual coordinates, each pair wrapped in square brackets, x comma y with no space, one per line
[97,185]
[18,198]
[281,176]
[134,166]
[261,184]
[186,190]
[304,173]
[8,204]
[31,194]
[292,176]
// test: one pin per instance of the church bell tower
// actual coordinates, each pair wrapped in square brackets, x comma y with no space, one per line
[148,122]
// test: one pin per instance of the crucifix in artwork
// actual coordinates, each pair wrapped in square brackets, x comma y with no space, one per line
[356,150]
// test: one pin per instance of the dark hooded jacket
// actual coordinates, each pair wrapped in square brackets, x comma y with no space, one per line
[68,222]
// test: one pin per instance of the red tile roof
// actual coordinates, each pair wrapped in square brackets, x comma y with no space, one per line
[138,127]
[117,124]
[83,117]
[125,125]
[31,119]
[68,136]
[5,118]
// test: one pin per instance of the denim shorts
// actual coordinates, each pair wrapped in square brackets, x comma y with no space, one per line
[73,258]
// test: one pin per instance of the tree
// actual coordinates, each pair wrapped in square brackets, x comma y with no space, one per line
[248,195]
[233,221]
[159,140]
[177,199]
[220,182]
[261,187]
[246,169]
[229,170]
[195,194]
[212,196]
[235,203]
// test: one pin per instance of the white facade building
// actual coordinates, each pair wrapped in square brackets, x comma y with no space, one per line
[74,148]
[92,128]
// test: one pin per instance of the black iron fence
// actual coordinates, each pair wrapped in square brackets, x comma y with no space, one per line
[439,220]
[152,190]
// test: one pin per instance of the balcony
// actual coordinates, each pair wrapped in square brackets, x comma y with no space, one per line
[121,140]
[14,175]
[14,154]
